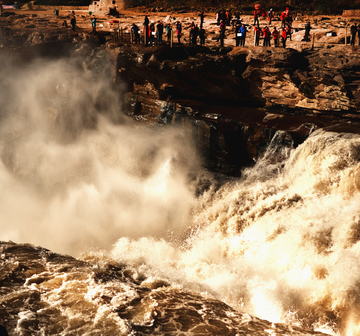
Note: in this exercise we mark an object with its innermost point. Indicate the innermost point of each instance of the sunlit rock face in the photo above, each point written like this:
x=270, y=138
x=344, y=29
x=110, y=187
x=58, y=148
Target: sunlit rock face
x=323, y=79
x=43, y=293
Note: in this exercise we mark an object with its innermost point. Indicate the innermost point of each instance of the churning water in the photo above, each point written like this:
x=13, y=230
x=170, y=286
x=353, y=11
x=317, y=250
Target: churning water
x=280, y=243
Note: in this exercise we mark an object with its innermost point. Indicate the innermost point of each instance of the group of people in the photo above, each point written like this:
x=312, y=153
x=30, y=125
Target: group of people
x=72, y=22
x=196, y=32
x=354, y=30
x=152, y=31
x=275, y=35
x=224, y=16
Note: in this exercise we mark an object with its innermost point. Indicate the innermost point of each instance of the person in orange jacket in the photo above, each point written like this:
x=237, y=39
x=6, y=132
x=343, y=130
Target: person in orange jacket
x=275, y=35
x=283, y=37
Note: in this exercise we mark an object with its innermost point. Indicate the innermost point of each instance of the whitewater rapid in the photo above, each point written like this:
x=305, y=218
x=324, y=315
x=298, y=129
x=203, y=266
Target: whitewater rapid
x=280, y=243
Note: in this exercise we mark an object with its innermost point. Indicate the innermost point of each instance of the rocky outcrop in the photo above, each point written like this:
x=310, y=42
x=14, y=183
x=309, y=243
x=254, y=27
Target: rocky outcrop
x=44, y=293
x=324, y=79
x=233, y=100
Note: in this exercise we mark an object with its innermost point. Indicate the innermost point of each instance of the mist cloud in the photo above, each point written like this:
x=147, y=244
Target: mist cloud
x=76, y=173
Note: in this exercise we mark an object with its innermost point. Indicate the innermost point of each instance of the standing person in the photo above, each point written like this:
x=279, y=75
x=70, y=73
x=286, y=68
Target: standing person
x=283, y=37
x=270, y=16
x=192, y=26
x=267, y=35
x=307, y=31
x=73, y=23
x=222, y=33
x=202, y=36
x=201, y=19
x=353, y=31
x=288, y=31
x=256, y=17
x=275, y=35
x=93, y=24
x=237, y=35
x=227, y=17
x=218, y=18
x=159, y=31
x=283, y=19
x=178, y=31
x=168, y=33
x=151, y=32
x=257, y=32
x=195, y=35
x=146, y=29
x=135, y=31
x=243, y=31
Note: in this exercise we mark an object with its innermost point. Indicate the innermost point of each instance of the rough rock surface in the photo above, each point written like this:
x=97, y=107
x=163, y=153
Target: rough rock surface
x=43, y=293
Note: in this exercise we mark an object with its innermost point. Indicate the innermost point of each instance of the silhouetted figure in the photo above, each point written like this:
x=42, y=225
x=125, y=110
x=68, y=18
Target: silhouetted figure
x=146, y=29
x=222, y=33
x=237, y=35
x=201, y=19
x=73, y=23
x=353, y=31
x=135, y=31
x=202, y=36
x=159, y=31
x=195, y=34
x=257, y=32
x=307, y=32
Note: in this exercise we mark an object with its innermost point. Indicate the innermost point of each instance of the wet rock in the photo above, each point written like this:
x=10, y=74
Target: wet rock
x=62, y=294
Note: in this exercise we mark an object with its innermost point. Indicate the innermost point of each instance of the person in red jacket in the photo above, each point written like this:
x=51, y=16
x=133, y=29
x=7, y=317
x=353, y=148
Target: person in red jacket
x=256, y=17
x=288, y=31
x=267, y=35
x=275, y=35
x=257, y=32
x=282, y=18
x=283, y=37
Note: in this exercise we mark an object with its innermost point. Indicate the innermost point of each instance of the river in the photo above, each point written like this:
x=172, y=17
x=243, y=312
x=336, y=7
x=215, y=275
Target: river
x=280, y=243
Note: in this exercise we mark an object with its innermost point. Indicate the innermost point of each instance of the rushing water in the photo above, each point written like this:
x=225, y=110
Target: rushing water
x=280, y=243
